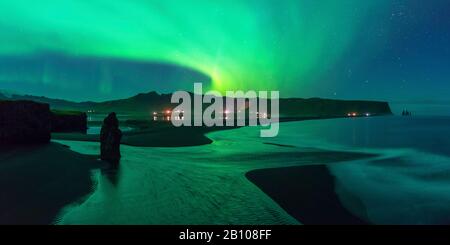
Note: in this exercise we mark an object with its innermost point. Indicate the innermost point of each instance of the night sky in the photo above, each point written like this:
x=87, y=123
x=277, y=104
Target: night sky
x=349, y=49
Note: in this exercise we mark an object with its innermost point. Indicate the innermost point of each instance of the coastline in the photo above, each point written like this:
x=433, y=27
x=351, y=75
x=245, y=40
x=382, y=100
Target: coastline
x=166, y=135
x=307, y=193
x=36, y=182
x=80, y=184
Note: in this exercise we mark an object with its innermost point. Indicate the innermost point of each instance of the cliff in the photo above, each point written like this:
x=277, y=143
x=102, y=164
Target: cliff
x=289, y=107
x=28, y=122
x=316, y=107
x=24, y=122
x=144, y=103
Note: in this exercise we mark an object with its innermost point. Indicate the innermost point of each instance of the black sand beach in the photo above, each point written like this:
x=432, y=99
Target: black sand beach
x=36, y=182
x=162, y=134
x=305, y=192
x=163, y=137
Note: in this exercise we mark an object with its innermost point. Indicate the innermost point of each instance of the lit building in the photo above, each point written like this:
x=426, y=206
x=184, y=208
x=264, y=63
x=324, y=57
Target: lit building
x=165, y=115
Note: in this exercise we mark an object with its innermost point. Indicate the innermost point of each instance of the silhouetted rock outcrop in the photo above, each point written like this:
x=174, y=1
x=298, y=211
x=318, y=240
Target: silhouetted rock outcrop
x=69, y=121
x=24, y=122
x=110, y=137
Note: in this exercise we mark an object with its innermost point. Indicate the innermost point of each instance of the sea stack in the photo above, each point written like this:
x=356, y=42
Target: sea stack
x=110, y=137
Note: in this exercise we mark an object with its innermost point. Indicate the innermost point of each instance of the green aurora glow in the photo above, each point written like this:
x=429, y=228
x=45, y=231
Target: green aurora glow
x=349, y=49
x=239, y=44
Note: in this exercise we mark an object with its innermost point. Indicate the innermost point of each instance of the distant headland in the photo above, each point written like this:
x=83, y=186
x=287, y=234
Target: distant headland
x=144, y=104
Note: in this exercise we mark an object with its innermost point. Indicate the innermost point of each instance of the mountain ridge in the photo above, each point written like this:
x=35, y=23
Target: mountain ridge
x=145, y=103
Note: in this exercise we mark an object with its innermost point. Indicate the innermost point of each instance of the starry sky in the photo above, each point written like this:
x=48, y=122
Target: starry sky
x=395, y=50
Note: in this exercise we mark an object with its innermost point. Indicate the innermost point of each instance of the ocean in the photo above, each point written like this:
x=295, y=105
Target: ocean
x=407, y=182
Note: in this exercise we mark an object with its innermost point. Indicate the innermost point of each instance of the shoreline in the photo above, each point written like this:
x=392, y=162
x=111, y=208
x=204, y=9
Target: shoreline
x=166, y=135
x=307, y=193
x=77, y=179
x=36, y=182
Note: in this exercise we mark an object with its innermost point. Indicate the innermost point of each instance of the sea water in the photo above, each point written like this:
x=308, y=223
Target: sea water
x=407, y=182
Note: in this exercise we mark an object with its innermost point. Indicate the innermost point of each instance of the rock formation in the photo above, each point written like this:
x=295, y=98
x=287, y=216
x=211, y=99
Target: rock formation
x=24, y=122
x=110, y=136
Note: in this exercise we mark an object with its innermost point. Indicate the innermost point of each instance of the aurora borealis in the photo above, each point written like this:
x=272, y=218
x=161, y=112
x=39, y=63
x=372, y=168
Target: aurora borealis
x=340, y=49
